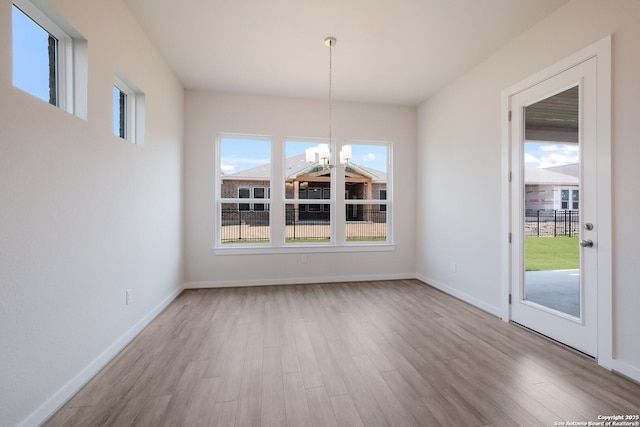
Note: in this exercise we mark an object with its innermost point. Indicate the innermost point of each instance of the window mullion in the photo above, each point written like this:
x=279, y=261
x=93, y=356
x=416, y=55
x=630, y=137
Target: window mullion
x=339, y=206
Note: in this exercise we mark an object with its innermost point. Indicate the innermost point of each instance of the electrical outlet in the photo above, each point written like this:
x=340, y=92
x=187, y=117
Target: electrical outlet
x=128, y=296
x=454, y=267
x=304, y=259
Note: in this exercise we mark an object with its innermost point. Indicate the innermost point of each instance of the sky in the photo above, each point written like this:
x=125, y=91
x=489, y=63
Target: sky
x=547, y=154
x=237, y=155
x=31, y=57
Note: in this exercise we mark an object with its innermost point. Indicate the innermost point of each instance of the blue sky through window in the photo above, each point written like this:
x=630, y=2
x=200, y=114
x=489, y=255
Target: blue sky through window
x=548, y=154
x=30, y=55
x=237, y=155
x=116, y=112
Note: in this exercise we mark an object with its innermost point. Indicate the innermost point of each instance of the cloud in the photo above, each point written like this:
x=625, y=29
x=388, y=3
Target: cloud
x=549, y=155
x=369, y=157
x=529, y=158
x=227, y=168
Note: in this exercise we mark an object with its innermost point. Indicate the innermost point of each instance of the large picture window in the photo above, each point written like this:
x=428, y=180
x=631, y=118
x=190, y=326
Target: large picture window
x=304, y=210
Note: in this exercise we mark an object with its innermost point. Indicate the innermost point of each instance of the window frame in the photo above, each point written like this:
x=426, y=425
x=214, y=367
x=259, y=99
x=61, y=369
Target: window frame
x=384, y=205
x=134, y=117
x=71, y=57
x=220, y=201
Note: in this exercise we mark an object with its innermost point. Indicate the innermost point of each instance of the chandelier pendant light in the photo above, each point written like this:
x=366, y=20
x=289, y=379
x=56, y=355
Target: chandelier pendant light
x=322, y=153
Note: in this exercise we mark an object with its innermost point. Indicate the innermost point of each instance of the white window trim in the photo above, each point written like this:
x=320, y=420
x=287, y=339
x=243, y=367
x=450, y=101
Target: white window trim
x=72, y=64
x=134, y=118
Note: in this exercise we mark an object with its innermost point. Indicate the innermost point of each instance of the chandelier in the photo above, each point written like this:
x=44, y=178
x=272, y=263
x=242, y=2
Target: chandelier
x=322, y=153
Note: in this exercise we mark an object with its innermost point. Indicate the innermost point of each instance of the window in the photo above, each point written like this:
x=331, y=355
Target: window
x=119, y=112
x=128, y=111
x=383, y=196
x=576, y=199
x=243, y=197
x=244, y=193
x=259, y=193
x=307, y=179
x=298, y=206
x=564, y=195
x=366, y=192
x=49, y=58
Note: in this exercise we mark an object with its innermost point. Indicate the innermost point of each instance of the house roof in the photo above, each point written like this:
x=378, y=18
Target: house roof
x=572, y=169
x=296, y=166
x=546, y=176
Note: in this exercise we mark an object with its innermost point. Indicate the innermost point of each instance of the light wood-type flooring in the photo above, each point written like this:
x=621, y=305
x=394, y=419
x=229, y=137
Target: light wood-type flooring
x=383, y=353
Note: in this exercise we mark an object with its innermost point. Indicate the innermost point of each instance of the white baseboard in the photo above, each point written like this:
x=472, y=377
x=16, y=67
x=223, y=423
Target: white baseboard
x=295, y=281
x=59, y=398
x=625, y=369
x=496, y=311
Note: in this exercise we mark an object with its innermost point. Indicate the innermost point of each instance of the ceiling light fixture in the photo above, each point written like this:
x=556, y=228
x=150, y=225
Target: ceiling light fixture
x=322, y=152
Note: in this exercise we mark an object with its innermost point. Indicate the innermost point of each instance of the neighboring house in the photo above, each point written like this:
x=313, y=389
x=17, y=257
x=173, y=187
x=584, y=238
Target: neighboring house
x=305, y=181
x=554, y=188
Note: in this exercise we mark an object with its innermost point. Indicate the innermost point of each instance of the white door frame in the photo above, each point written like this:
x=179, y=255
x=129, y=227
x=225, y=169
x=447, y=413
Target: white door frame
x=601, y=50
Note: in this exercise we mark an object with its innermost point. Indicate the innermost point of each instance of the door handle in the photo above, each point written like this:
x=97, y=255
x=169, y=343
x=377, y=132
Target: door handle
x=586, y=243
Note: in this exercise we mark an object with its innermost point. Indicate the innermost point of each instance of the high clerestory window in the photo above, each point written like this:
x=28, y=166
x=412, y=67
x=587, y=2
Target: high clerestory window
x=128, y=111
x=49, y=57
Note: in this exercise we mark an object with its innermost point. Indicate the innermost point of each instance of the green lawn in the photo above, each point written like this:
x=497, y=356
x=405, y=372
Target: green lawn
x=551, y=253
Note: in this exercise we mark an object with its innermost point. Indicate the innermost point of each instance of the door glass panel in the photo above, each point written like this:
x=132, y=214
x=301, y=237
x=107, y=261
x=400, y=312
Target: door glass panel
x=552, y=202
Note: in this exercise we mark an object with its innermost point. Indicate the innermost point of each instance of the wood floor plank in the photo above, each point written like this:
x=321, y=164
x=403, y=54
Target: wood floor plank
x=288, y=350
x=234, y=366
x=330, y=373
x=198, y=407
x=295, y=401
x=250, y=398
x=224, y=414
x=311, y=375
x=345, y=410
x=375, y=353
x=370, y=348
x=273, y=409
x=368, y=408
x=152, y=411
x=320, y=409
x=183, y=392
x=410, y=399
x=393, y=411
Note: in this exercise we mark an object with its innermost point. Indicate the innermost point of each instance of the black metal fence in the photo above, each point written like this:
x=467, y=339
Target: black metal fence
x=363, y=223
x=552, y=223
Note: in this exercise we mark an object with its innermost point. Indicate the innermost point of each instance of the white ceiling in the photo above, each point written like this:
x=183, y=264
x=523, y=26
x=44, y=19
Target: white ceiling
x=391, y=51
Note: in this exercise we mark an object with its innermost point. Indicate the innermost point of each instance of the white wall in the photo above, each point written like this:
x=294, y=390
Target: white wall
x=84, y=216
x=207, y=113
x=459, y=163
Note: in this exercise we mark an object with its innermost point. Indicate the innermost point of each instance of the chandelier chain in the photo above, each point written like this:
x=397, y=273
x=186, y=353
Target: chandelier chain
x=330, y=92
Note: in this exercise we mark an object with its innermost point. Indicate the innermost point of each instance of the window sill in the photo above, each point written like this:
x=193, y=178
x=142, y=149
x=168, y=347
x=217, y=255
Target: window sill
x=302, y=249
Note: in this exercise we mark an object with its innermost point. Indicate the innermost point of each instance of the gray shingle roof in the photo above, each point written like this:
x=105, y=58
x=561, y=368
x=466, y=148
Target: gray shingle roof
x=545, y=176
x=296, y=166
